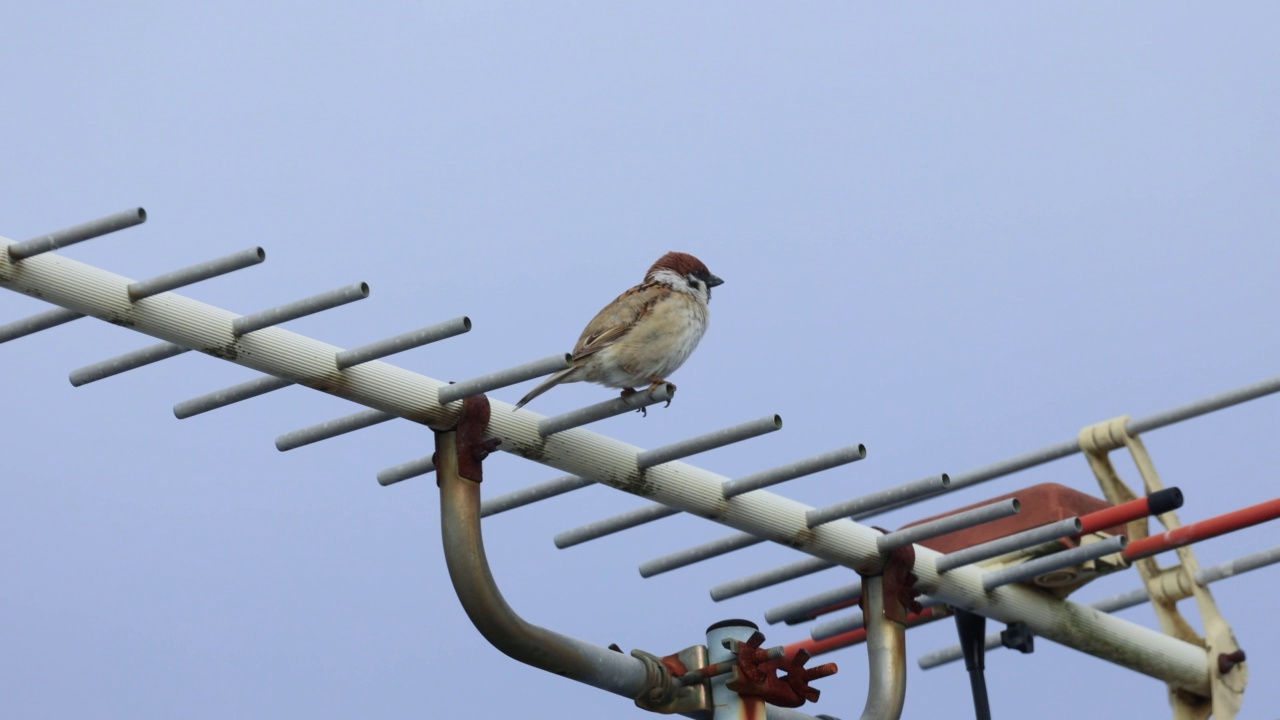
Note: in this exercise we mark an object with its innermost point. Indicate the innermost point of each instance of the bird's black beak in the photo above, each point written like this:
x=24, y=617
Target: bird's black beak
x=713, y=281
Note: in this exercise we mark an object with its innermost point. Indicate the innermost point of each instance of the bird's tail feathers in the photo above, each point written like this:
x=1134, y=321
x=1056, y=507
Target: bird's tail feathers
x=555, y=379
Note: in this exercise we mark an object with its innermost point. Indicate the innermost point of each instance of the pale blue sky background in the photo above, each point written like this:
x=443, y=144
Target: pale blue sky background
x=953, y=234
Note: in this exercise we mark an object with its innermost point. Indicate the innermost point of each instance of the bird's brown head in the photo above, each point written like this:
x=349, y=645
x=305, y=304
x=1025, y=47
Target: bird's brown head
x=693, y=270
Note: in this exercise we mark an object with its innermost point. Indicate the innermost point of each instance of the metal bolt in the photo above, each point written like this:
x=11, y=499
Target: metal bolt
x=1228, y=661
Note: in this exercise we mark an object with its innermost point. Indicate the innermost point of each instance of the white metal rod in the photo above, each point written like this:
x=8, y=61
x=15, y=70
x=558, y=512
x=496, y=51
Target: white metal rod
x=1049, y=563
x=36, y=323
x=227, y=396
x=698, y=553
x=657, y=511
x=1009, y=543
x=124, y=363
x=791, y=471
x=196, y=273
x=948, y=524
x=768, y=578
x=331, y=429
x=385, y=387
x=876, y=500
x=532, y=494
x=709, y=441
x=404, y=471
x=799, y=610
x=606, y=409
x=79, y=233
x=504, y=378
x=300, y=308
x=402, y=342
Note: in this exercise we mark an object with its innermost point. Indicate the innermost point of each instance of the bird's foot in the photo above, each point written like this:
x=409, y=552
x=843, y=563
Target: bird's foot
x=659, y=382
x=628, y=392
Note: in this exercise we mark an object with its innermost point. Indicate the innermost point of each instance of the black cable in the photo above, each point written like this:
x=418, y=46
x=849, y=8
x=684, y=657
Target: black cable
x=972, y=629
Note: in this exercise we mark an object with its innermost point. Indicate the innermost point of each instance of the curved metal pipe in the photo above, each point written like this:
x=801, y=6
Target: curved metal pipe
x=490, y=613
x=887, y=651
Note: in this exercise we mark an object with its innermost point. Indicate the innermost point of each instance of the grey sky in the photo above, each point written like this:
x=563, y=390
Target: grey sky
x=954, y=235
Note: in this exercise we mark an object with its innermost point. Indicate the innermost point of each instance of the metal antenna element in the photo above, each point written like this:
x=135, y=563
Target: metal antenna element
x=229, y=396
x=196, y=273
x=124, y=363
x=606, y=409
x=404, y=471
x=331, y=429
x=875, y=502
x=1050, y=563
x=948, y=524
x=79, y=233
x=1009, y=543
x=797, y=469
x=300, y=308
x=532, y=494
x=798, y=610
x=504, y=378
x=1137, y=596
x=404, y=341
x=800, y=468
x=769, y=578
x=36, y=323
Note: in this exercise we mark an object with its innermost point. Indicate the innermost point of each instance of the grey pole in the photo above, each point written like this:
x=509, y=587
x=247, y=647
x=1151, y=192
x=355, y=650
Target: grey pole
x=124, y=363
x=331, y=429
x=877, y=500
x=1009, y=543
x=800, y=468
x=1057, y=561
x=196, y=273
x=948, y=524
x=228, y=396
x=606, y=409
x=768, y=578
x=402, y=342
x=799, y=610
x=709, y=441
x=698, y=553
x=36, y=323
x=404, y=471
x=79, y=233
x=504, y=378
x=532, y=494
x=301, y=308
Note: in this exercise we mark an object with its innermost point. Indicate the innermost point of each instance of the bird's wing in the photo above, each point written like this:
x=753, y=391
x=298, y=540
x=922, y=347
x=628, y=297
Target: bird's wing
x=616, y=320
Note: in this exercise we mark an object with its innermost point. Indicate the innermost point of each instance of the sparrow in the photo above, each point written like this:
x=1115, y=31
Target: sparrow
x=646, y=333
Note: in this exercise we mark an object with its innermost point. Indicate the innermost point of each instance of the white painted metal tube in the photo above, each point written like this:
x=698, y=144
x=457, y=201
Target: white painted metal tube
x=404, y=341
x=331, y=429
x=615, y=524
x=385, y=387
x=606, y=409
x=227, y=396
x=798, y=610
x=876, y=500
x=698, y=553
x=124, y=363
x=404, y=471
x=532, y=494
x=300, y=308
x=196, y=273
x=950, y=523
x=794, y=470
x=36, y=323
x=1009, y=543
x=79, y=233
x=1057, y=561
x=709, y=441
x=504, y=378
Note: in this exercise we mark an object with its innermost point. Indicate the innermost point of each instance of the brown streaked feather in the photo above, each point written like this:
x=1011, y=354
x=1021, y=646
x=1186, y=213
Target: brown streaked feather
x=609, y=325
